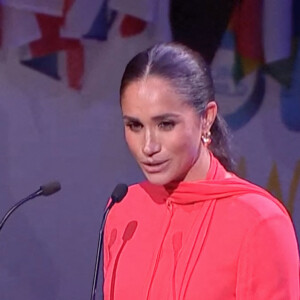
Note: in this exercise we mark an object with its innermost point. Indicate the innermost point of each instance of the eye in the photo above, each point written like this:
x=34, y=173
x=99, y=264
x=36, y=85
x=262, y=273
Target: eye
x=166, y=125
x=134, y=126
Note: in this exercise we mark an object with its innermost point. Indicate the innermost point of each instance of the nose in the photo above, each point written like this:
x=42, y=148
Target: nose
x=151, y=144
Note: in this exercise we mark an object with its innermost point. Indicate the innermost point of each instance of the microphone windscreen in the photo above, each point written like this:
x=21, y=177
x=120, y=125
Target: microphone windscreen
x=119, y=192
x=50, y=188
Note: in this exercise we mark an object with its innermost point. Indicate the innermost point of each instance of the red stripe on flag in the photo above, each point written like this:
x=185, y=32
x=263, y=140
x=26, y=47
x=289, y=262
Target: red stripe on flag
x=75, y=66
x=132, y=26
x=51, y=40
x=50, y=28
x=67, y=6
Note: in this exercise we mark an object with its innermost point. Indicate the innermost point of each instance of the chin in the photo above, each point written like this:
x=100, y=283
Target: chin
x=158, y=179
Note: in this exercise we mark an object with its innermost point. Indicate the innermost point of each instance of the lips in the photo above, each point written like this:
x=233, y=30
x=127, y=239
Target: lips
x=154, y=167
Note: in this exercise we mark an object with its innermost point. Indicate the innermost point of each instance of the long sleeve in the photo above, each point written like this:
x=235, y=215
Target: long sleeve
x=268, y=265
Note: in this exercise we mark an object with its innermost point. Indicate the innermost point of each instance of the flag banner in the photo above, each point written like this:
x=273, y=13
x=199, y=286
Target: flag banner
x=142, y=9
x=50, y=7
x=75, y=66
x=84, y=10
x=47, y=65
x=67, y=65
x=246, y=24
x=102, y=23
x=15, y=36
x=132, y=26
x=57, y=38
x=159, y=27
x=50, y=41
x=260, y=42
x=277, y=39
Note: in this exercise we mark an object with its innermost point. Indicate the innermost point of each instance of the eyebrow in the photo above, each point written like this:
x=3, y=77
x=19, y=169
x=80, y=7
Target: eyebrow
x=155, y=118
x=132, y=119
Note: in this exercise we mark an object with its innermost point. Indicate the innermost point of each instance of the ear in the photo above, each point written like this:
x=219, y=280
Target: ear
x=209, y=115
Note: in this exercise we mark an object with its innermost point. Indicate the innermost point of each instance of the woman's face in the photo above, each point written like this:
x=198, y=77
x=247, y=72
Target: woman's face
x=162, y=131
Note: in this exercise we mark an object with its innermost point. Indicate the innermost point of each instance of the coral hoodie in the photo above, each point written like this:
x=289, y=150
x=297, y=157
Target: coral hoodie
x=219, y=238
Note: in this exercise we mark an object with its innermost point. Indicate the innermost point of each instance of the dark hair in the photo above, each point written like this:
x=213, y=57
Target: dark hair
x=190, y=76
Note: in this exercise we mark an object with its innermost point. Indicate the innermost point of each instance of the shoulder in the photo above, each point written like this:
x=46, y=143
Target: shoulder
x=260, y=206
x=255, y=220
x=251, y=207
x=254, y=201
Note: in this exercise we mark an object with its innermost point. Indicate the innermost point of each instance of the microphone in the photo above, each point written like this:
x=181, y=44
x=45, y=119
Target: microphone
x=44, y=190
x=117, y=196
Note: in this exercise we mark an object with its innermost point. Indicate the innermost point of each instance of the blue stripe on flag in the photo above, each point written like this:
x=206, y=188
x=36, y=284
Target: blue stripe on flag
x=47, y=65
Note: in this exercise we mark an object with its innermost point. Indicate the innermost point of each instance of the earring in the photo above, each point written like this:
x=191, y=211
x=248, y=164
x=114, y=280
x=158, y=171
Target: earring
x=206, y=138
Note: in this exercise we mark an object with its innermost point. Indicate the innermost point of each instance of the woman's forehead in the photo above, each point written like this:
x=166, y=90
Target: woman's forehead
x=154, y=100
x=152, y=90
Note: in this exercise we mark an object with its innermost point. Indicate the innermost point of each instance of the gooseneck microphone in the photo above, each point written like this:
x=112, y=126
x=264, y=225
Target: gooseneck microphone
x=117, y=195
x=44, y=190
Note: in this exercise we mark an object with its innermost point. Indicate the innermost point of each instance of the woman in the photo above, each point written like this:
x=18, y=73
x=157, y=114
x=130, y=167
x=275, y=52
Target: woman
x=193, y=230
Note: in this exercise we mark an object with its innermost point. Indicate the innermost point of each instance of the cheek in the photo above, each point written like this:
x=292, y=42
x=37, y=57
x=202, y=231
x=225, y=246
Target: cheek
x=132, y=142
x=184, y=148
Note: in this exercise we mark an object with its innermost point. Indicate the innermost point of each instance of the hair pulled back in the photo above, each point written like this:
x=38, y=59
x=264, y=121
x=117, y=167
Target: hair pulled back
x=190, y=76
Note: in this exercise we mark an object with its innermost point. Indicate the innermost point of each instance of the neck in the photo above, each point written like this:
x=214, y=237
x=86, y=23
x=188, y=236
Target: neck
x=200, y=167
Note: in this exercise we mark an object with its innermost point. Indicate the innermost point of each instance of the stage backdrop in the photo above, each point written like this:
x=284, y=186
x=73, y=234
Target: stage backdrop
x=48, y=131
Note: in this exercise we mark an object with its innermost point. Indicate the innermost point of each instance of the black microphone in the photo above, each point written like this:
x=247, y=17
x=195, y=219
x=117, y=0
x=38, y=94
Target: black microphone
x=117, y=195
x=44, y=190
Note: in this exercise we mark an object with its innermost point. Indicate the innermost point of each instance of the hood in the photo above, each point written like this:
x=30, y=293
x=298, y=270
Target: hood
x=219, y=184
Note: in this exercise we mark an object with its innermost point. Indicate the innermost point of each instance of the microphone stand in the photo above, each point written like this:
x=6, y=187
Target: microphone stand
x=33, y=195
x=45, y=190
x=117, y=195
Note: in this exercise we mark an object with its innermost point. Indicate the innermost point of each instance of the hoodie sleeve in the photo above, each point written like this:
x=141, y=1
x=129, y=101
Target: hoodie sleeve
x=268, y=266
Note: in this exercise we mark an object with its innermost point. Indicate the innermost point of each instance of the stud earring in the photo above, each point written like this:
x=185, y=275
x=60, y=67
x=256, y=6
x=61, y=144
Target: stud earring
x=206, y=138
